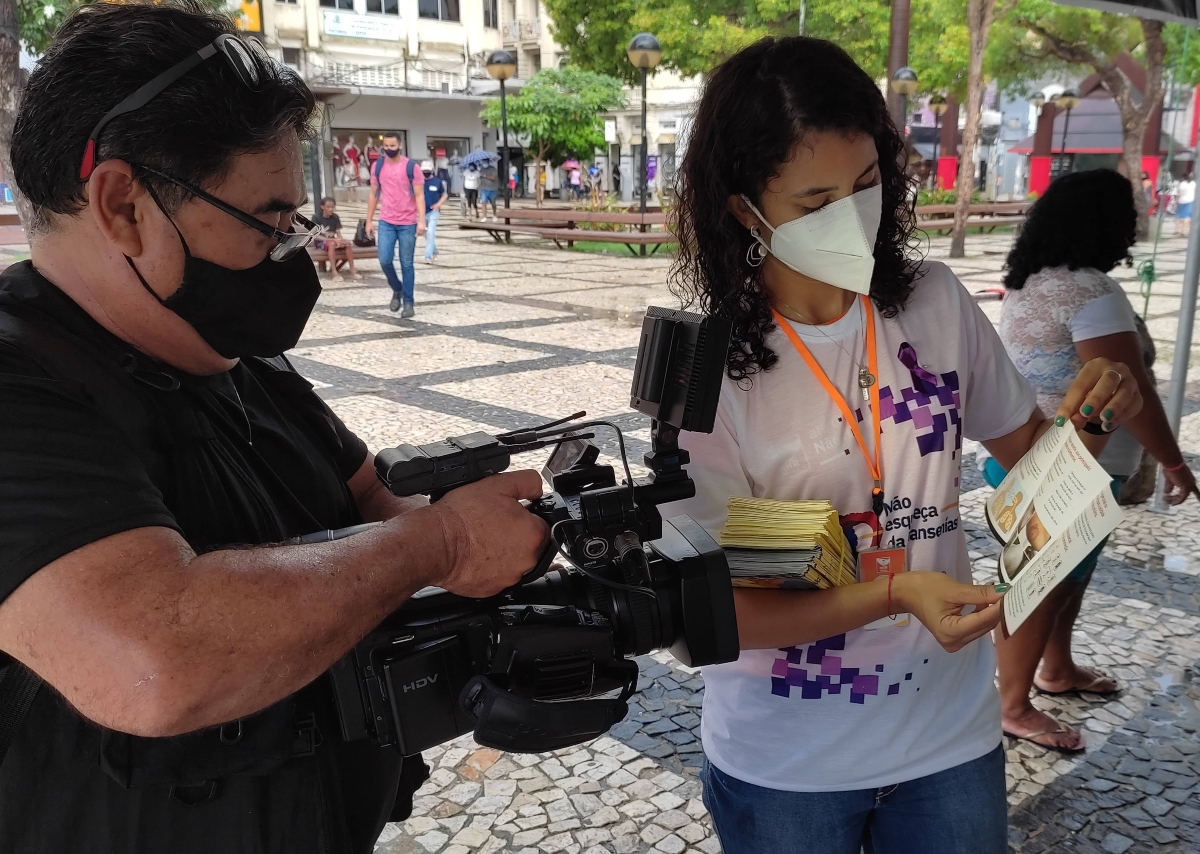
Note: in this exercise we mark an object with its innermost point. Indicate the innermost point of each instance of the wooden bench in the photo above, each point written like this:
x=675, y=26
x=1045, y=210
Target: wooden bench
x=983, y=215
x=632, y=228
x=321, y=256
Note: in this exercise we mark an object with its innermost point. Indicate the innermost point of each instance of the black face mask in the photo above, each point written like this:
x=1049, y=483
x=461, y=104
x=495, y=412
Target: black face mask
x=392, y=152
x=261, y=311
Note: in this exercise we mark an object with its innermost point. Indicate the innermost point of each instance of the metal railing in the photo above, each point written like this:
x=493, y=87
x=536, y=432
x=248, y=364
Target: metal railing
x=522, y=29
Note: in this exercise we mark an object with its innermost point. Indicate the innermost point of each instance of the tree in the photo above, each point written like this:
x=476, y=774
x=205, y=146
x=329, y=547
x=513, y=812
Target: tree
x=697, y=35
x=980, y=16
x=1044, y=37
x=36, y=22
x=558, y=111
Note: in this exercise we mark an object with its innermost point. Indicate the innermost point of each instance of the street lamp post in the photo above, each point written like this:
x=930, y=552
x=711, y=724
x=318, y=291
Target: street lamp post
x=502, y=65
x=904, y=84
x=1068, y=101
x=937, y=106
x=644, y=52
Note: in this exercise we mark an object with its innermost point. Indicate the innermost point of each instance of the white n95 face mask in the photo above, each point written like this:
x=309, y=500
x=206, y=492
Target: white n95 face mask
x=835, y=244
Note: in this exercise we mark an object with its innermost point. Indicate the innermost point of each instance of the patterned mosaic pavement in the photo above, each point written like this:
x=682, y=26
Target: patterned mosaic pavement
x=509, y=335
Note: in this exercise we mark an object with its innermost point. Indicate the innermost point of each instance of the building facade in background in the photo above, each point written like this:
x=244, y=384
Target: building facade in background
x=411, y=66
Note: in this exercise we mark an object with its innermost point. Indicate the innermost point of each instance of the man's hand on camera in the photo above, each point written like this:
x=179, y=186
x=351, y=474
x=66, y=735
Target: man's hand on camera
x=491, y=538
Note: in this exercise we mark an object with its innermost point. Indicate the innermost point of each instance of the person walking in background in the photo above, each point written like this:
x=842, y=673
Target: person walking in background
x=616, y=179
x=471, y=191
x=838, y=728
x=1149, y=194
x=489, y=187
x=512, y=178
x=1185, y=197
x=331, y=239
x=541, y=185
x=435, y=197
x=576, y=178
x=1060, y=310
x=397, y=189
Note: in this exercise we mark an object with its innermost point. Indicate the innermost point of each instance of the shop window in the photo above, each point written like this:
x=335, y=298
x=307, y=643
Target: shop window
x=439, y=10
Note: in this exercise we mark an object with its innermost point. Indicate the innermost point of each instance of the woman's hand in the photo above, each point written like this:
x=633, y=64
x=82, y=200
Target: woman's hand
x=1181, y=483
x=1105, y=393
x=938, y=602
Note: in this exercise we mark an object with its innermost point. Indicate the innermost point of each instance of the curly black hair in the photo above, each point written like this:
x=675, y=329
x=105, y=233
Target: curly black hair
x=1084, y=219
x=755, y=109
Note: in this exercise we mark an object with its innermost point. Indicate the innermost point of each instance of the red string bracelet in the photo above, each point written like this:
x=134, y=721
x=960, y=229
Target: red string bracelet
x=1179, y=467
x=891, y=615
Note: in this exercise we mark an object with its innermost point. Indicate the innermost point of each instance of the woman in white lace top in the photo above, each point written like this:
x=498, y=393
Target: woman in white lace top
x=1062, y=309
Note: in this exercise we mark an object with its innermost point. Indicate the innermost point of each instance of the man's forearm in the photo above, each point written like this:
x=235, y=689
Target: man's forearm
x=178, y=642
x=372, y=201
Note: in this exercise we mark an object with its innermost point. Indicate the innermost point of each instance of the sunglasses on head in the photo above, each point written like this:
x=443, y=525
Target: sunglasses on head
x=246, y=57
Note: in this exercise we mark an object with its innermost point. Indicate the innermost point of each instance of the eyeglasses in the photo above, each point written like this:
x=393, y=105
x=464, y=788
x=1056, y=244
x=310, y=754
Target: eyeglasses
x=288, y=243
x=246, y=57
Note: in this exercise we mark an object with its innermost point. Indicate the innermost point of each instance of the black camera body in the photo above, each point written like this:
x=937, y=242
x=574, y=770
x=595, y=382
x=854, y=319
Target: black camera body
x=546, y=664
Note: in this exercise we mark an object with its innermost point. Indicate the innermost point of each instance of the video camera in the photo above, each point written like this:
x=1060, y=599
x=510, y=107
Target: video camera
x=545, y=664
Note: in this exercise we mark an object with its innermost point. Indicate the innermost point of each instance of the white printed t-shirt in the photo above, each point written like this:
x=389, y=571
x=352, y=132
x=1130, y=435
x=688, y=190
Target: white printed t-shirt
x=867, y=708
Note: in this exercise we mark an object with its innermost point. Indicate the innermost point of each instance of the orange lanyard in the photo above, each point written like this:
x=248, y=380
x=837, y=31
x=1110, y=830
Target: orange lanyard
x=874, y=462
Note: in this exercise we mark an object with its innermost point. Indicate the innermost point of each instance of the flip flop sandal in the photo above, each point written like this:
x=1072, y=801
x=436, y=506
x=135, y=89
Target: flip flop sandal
x=1030, y=736
x=1079, y=690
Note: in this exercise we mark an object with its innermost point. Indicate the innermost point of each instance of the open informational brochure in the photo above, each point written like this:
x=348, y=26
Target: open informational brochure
x=1052, y=509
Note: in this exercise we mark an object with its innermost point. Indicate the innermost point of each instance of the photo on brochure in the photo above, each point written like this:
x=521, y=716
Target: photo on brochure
x=1049, y=513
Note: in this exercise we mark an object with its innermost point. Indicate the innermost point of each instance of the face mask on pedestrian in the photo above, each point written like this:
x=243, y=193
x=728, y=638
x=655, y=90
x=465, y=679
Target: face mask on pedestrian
x=835, y=244
x=261, y=311
x=391, y=152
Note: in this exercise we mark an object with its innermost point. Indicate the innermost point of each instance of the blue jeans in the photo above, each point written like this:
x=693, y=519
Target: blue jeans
x=389, y=237
x=431, y=221
x=962, y=810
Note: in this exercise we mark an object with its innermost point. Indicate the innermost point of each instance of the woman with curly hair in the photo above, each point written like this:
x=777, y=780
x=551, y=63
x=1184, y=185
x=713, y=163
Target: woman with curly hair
x=1061, y=309
x=854, y=371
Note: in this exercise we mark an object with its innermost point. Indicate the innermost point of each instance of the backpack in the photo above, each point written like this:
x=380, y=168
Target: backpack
x=377, y=171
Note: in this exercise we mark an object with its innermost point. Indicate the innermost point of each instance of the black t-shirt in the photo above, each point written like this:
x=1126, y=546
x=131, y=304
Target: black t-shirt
x=96, y=439
x=331, y=224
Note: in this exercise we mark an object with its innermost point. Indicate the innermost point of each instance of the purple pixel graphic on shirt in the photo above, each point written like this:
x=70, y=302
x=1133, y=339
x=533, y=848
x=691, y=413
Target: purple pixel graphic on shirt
x=931, y=406
x=819, y=669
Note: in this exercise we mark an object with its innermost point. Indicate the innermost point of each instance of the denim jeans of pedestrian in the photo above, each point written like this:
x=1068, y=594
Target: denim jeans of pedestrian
x=962, y=810
x=431, y=222
x=404, y=237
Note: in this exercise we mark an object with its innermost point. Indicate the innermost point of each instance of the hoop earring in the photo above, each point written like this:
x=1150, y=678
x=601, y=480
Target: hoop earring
x=756, y=253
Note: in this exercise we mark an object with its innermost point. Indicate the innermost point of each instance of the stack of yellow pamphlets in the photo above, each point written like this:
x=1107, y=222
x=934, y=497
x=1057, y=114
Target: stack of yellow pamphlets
x=786, y=544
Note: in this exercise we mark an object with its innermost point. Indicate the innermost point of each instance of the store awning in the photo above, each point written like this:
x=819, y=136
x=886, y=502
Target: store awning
x=1094, y=128
x=1170, y=11
x=666, y=139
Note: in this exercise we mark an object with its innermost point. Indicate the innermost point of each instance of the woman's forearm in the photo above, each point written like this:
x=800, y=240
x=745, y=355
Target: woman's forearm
x=1150, y=426
x=771, y=619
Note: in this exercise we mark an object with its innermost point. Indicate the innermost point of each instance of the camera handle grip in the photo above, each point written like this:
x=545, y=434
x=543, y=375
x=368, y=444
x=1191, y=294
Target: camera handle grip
x=507, y=721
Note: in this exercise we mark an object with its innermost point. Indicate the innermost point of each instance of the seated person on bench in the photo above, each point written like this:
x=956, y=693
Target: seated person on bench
x=331, y=239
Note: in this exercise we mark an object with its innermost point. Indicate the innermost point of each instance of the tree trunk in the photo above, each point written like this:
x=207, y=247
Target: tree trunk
x=10, y=98
x=979, y=20
x=1135, y=114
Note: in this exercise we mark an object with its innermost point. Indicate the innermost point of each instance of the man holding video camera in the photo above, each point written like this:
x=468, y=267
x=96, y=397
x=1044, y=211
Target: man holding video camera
x=154, y=445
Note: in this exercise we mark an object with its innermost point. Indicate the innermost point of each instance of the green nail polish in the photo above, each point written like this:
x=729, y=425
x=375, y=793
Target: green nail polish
x=1087, y=409
x=1059, y=421
x=1108, y=415
x=1003, y=588
x=1108, y=426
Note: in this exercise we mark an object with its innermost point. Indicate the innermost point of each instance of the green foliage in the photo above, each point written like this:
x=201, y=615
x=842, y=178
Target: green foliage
x=697, y=35
x=1185, y=65
x=39, y=19
x=943, y=197
x=558, y=111
x=36, y=26
x=1019, y=50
